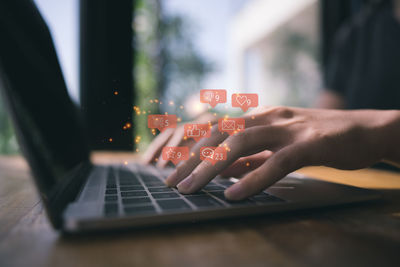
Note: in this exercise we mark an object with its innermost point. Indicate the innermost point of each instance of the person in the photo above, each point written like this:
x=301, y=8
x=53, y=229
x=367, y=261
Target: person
x=362, y=77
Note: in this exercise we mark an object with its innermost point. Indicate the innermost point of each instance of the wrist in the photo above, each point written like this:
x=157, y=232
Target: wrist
x=390, y=136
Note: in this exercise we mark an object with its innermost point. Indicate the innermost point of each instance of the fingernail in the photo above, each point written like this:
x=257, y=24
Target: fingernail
x=184, y=186
x=171, y=179
x=235, y=192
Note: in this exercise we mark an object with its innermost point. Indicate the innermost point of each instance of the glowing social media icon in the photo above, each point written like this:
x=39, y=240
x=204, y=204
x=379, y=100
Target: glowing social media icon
x=231, y=125
x=197, y=131
x=244, y=101
x=161, y=122
x=213, y=154
x=213, y=97
x=175, y=153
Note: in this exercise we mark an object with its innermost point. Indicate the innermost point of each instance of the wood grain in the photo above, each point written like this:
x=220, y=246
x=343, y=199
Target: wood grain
x=361, y=235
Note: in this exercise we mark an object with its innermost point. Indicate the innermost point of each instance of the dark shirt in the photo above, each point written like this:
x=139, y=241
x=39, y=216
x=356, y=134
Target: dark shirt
x=365, y=65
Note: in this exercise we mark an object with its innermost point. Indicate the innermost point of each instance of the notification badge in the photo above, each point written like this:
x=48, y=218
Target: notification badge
x=213, y=154
x=231, y=125
x=175, y=153
x=213, y=97
x=161, y=122
x=244, y=101
x=197, y=131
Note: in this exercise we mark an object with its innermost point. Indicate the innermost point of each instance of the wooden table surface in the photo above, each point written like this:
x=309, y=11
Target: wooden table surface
x=359, y=235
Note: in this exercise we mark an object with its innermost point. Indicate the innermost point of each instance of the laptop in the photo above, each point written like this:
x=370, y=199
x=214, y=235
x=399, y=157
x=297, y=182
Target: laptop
x=79, y=196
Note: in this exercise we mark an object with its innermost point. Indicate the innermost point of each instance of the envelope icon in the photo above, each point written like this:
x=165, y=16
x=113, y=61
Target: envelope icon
x=228, y=125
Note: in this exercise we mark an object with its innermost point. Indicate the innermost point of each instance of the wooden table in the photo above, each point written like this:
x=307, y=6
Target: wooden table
x=361, y=235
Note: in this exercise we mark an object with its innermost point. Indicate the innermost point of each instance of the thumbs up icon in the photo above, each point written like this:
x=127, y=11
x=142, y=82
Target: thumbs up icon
x=193, y=131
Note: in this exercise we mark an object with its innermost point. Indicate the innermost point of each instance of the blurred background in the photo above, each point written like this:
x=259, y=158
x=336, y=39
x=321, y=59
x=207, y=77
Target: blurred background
x=266, y=47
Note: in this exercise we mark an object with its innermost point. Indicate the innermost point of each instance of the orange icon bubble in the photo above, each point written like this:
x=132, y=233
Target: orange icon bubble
x=213, y=154
x=244, y=101
x=175, y=153
x=197, y=131
x=161, y=122
x=231, y=125
x=213, y=97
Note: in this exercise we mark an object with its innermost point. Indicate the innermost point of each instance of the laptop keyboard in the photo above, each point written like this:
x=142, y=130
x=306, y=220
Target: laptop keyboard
x=144, y=193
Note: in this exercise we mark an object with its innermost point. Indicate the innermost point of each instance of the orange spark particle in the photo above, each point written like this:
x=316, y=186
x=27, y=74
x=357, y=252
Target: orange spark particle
x=115, y=92
x=247, y=164
x=192, y=154
x=156, y=100
x=151, y=101
x=110, y=139
x=125, y=163
x=181, y=107
x=137, y=150
x=171, y=103
x=179, y=119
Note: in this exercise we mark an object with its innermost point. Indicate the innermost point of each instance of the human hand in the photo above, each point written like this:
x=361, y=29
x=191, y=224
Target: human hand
x=171, y=137
x=281, y=140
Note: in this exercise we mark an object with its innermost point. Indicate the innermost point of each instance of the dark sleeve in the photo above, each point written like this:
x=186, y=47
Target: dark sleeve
x=339, y=65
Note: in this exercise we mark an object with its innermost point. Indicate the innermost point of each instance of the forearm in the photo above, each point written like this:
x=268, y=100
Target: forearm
x=390, y=137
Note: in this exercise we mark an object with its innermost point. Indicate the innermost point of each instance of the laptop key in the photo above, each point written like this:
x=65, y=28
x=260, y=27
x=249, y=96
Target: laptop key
x=111, y=191
x=165, y=195
x=204, y=201
x=134, y=194
x=131, y=188
x=214, y=188
x=160, y=189
x=136, y=201
x=154, y=183
x=111, y=198
x=266, y=198
x=111, y=209
x=221, y=196
x=173, y=204
x=139, y=210
x=196, y=193
x=225, y=182
x=128, y=183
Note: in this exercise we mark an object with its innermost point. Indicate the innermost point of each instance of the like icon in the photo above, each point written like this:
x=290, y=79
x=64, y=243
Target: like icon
x=213, y=97
x=244, y=101
x=231, y=125
x=197, y=131
x=161, y=122
x=175, y=153
x=213, y=154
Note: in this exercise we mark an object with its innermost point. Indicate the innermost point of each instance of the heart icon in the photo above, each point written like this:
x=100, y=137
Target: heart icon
x=241, y=100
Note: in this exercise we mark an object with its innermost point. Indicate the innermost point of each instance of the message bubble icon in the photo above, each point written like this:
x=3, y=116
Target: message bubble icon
x=161, y=122
x=175, y=154
x=197, y=131
x=212, y=96
x=213, y=154
x=244, y=101
x=231, y=125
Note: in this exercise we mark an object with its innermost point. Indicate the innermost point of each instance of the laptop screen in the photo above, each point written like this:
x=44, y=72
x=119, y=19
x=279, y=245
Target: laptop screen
x=46, y=121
